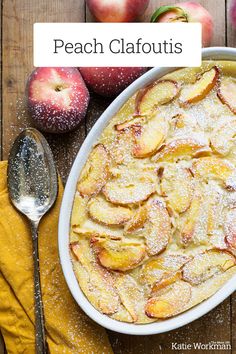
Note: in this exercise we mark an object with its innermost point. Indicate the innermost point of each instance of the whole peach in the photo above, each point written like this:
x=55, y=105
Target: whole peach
x=57, y=99
x=232, y=13
x=189, y=11
x=110, y=81
x=117, y=10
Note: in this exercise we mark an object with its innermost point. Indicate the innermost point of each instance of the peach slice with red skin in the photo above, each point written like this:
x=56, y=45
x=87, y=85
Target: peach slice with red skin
x=214, y=211
x=156, y=269
x=203, y=218
x=94, y=234
x=205, y=265
x=136, y=121
x=157, y=228
x=137, y=221
x=122, y=147
x=148, y=134
x=188, y=230
x=201, y=88
x=222, y=137
x=214, y=167
x=119, y=255
x=149, y=137
x=182, y=148
x=164, y=282
x=227, y=92
x=158, y=93
x=169, y=301
x=106, y=213
x=230, y=228
x=79, y=212
x=129, y=189
x=130, y=294
x=177, y=186
x=95, y=172
x=99, y=287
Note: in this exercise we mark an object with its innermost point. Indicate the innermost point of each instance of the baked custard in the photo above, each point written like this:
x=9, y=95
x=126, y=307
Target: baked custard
x=153, y=225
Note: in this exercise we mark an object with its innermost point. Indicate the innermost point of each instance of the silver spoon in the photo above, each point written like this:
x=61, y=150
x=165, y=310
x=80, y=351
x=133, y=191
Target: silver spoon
x=33, y=187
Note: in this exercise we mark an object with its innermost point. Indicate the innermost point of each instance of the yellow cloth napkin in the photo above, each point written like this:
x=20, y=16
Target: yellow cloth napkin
x=68, y=329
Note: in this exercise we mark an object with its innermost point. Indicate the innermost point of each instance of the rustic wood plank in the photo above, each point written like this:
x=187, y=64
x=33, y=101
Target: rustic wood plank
x=204, y=330
x=217, y=10
x=233, y=322
x=231, y=32
x=18, y=19
x=213, y=327
x=1, y=345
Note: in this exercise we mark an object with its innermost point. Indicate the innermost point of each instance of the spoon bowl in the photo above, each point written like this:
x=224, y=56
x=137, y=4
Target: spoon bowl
x=32, y=176
x=33, y=187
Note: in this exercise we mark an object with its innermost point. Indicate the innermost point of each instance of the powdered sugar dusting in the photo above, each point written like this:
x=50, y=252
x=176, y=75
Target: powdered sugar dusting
x=185, y=185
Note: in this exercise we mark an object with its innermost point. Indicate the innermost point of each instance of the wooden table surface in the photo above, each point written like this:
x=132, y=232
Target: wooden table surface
x=17, y=19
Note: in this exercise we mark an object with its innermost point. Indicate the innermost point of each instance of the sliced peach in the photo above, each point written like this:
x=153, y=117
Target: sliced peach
x=218, y=240
x=118, y=255
x=158, y=228
x=192, y=219
x=149, y=137
x=230, y=228
x=96, y=282
x=95, y=172
x=122, y=147
x=106, y=213
x=79, y=211
x=184, y=123
x=152, y=271
x=137, y=221
x=210, y=220
x=156, y=269
x=136, y=121
x=164, y=282
x=129, y=189
x=94, y=234
x=177, y=186
x=200, y=224
x=169, y=302
x=181, y=149
x=205, y=265
x=122, y=315
x=214, y=210
x=227, y=92
x=130, y=294
x=156, y=94
x=179, y=121
x=201, y=88
x=222, y=137
x=216, y=168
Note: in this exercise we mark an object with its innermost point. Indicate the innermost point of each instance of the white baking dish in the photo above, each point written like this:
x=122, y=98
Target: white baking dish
x=66, y=207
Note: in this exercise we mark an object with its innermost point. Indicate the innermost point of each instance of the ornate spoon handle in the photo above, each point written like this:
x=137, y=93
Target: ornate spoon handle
x=40, y=338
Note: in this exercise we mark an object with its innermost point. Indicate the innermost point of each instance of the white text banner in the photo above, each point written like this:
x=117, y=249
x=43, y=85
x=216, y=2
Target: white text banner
x=117, y=44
